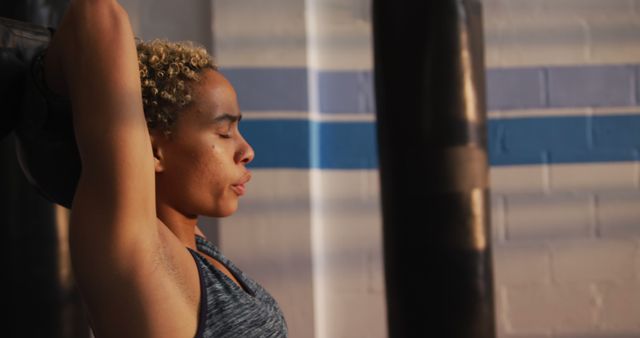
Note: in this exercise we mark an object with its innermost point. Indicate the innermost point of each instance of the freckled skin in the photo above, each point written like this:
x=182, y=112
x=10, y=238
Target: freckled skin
x=197, y=165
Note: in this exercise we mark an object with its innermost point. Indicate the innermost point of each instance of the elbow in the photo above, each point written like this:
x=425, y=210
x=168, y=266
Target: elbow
x=103, y=16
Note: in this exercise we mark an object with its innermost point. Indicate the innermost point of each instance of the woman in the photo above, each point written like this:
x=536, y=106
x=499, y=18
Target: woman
x=157, y=132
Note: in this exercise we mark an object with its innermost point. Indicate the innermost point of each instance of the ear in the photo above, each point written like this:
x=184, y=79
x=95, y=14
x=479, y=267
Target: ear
x=157, y=146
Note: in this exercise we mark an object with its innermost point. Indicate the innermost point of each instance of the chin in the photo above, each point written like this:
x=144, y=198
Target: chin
x=224, y=210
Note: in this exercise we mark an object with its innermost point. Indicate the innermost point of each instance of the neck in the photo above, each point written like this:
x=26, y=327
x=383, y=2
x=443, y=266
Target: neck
x=182, y=226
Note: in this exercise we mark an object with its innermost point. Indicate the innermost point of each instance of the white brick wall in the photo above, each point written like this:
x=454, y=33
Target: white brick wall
x=609, y=39
x=638, y=262
x=173, y=20
x=498, y=218
x=327, y=34
x=523, y=41
x=619, y=214
x=566, y=236
x=536, y=309
x=542, y=217
x=591, y=177
x=250, y=33
x=520, y=179
x=568, y=288
x=620, y=306
x=593, y=260
x=545, y=32
x=348, y=251
x=523, y=264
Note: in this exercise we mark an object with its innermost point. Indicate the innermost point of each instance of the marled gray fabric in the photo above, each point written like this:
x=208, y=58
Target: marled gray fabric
x=226, y=310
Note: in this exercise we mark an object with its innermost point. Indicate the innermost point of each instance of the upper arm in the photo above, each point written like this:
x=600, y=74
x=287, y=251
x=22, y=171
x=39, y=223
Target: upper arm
x=115, y=197
x=130, y=274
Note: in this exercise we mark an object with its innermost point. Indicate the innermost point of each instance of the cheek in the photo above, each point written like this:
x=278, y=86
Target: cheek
x=202, y=166
x=209, y=166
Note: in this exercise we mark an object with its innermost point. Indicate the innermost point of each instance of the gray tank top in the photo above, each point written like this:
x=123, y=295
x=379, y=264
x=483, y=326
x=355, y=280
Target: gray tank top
x=226, y=309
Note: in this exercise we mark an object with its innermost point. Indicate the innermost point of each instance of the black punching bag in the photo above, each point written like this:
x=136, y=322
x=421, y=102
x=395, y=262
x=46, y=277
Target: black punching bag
x=431, y=121
x=42, y=121
x=42, y=301
x=33, y=294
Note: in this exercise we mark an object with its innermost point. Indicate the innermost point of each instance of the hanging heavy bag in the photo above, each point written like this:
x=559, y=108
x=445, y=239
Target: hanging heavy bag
x=42, y=120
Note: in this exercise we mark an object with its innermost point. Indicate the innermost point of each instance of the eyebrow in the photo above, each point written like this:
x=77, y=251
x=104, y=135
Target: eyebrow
x=226, y=117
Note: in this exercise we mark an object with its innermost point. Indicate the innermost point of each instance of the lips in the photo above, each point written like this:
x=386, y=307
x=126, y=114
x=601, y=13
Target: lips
x=239, y=187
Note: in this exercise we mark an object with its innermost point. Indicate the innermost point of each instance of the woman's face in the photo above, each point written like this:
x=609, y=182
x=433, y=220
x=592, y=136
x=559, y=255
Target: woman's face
x=200, y=169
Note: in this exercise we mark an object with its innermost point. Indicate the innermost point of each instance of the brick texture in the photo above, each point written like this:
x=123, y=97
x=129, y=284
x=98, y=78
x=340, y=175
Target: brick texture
x=637, y=84
x=518, y=40
x=638, y=261
x=522, y=88
x=608, y=38
x=619, y=214
x=241, y=37
x=566, y=235
x=537, y=309
x=591, y=86
x=590, y=177
x=619, y=132
x=589, y=8
x=520, y=179
x=542, y=217
x=331, y=85
x=567, y=225
x=593, y=260
x=498, y=230
x=555, y=32
x=620, y=307
x=522, y=264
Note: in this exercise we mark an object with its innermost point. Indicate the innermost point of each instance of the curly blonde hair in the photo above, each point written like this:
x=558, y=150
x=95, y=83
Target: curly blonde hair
x=167, y=72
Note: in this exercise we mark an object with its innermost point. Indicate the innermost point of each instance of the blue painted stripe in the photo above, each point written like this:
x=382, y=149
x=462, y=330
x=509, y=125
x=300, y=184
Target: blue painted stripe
x=346, y=92
x=523, y=135
x=594, y=156
x=615, y=132
x=288, y=144
x=270, y=89
x=531, y=141
x=286, y=89
x=346, y=145
x=592, y=86
x=516, y=88
x=279, y=143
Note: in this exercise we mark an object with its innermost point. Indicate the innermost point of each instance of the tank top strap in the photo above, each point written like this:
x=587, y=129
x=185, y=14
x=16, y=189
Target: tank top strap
x=202, y=308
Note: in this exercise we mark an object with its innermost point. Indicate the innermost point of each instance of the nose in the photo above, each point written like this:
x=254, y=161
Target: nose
x=245, y=152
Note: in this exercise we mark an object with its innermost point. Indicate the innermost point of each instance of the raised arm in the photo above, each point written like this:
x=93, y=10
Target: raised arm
x=113, y=231
x=95, y=51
